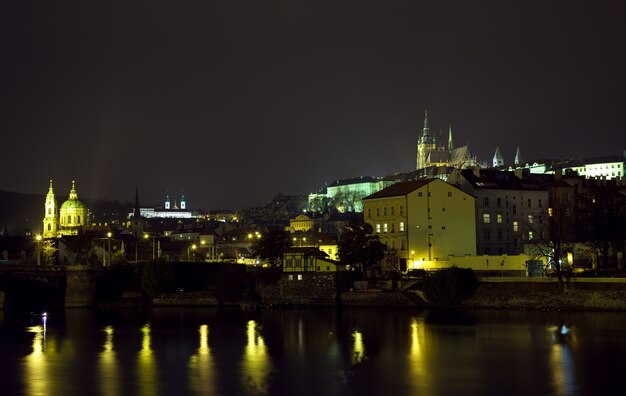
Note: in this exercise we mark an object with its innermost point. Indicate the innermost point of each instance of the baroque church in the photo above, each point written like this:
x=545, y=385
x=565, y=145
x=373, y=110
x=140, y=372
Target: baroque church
x=69, y=219
x=431, y=154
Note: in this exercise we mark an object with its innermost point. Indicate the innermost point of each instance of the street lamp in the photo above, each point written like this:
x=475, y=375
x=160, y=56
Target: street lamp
x=146, y=236
x=193, y=247
x=38, y=238
x=412, y=262
x=109, y=247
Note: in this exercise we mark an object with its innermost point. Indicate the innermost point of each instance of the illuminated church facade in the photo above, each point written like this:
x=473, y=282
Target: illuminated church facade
x=68, y=219
x=430, y=153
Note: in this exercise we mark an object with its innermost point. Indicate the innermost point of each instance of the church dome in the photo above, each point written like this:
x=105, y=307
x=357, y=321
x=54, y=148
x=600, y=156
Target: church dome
x=73, y=204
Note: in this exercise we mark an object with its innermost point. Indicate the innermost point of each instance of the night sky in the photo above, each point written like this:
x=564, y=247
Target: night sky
x=234, y=101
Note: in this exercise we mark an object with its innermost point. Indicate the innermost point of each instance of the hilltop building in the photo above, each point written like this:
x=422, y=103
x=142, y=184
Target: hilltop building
x=167, y=211
x=430, y=154
x=69, y=219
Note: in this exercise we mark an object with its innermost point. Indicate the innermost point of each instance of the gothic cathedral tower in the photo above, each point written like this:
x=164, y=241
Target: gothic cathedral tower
x=50, y=220
x=425, y=144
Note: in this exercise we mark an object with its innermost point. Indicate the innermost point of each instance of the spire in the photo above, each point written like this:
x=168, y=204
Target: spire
x=498, y=160
x=450, y=144
x=73, y=194
x=518, y=157
x=137, y=211
x=426, y=137
x=167, y=199
x=182, y=201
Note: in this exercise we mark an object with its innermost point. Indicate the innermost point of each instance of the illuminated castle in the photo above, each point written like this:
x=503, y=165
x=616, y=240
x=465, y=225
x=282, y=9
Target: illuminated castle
x=69, y=219
x=430, y=154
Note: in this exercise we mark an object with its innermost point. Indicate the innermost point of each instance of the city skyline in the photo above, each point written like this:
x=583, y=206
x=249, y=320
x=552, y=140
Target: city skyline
x=231, y=104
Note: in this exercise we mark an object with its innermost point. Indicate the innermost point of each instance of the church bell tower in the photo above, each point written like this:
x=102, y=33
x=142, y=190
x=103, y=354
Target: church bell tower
x=51, y=219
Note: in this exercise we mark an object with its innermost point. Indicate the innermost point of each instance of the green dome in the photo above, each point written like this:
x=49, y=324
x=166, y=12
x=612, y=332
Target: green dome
x=73, y=204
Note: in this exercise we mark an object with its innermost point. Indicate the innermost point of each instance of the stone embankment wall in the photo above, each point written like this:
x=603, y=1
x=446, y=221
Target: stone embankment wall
x=312, y=289
x=579, y=295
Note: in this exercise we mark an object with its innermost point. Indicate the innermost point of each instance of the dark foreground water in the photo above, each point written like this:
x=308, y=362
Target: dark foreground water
x=311, y=352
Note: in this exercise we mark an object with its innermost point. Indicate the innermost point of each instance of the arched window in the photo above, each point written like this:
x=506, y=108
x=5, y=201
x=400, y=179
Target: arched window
x=49, y=210
x=78, y=219
x=49, y=227
x=69, y=219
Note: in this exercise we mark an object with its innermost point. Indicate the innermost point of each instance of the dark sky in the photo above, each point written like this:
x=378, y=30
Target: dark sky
x=234, y=101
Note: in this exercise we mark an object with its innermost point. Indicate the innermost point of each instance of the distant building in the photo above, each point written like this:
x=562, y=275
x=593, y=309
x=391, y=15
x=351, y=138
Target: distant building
x=69, y=219
x=345, y=195
x=423, y=221
x=511, y=209
x=309, y=259
x=167, y=211
x=429, y=153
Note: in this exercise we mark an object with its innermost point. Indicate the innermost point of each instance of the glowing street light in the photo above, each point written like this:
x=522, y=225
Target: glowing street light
x=109, y=235
x=38, y=238
x=193, y=247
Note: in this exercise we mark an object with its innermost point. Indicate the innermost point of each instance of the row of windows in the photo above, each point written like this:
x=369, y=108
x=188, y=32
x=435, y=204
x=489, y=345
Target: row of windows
x=499, y=219
x=391, y=211
x=298, y=262
x=69, y=220
x=386, y=227
x=486, y=201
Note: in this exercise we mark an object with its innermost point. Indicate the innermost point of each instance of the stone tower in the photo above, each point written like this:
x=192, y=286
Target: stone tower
x=518, y=157
x=425, y=144
x=51, y=219
x=498, y=160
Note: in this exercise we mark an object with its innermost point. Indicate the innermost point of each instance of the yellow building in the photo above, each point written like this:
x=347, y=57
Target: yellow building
x=71, y=218
x=423, y=221
x=301, y=223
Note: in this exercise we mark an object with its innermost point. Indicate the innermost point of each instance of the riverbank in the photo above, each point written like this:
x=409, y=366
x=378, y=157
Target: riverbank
x=513, y=293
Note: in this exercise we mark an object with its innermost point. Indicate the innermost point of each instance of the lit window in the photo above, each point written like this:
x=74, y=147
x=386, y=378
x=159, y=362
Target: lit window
x=515, y=226
x=378, y=228
x=402, y=226
x=486, y=218
x=499, y=219
x=299, y=276
x=530, y=235
x=530, y=219
x=385, y=227
x=550, y=212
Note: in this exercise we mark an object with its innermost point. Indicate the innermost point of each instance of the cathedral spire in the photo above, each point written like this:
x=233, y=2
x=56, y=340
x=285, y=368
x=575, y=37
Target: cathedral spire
x=426, y=129
x=518, y=157
x=137, y=211
x=498, y=160
x=450, y=144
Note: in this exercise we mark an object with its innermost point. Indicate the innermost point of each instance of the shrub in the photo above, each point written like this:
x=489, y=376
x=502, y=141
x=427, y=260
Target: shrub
x=450, y=286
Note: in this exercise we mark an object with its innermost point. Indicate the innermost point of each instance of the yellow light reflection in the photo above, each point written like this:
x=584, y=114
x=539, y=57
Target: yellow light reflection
x=256, y=363
x=417, y=359
x=201, y=368
x=562, y=369
x=358, y=348
x=108, y=365
x=36, y=373
x=145, y=364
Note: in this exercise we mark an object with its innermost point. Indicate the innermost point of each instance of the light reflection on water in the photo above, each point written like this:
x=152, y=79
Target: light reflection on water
x=308, y=352
x=146, y=369
x=256, y=364
x=201, y=370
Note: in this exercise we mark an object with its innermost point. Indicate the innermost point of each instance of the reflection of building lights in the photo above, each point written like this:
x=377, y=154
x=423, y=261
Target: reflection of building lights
x=36, y=375
x=145, y=363
x=256, y=364
x=562, y=370
x=358, y=348
x=201, y=371
x=108, y=364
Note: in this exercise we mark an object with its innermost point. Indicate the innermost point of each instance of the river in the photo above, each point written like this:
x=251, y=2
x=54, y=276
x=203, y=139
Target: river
x=208, y=351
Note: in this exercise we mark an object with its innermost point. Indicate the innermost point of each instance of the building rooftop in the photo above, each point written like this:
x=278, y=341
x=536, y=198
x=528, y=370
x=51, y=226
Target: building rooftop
x=399, y=189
